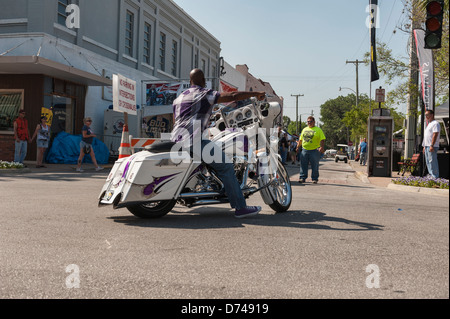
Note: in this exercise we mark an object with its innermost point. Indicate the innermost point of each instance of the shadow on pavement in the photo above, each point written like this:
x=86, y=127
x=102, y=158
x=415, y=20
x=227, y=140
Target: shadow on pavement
x=207, y=218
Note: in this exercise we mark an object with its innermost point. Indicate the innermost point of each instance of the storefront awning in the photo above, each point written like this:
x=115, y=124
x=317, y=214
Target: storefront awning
x=39, y=65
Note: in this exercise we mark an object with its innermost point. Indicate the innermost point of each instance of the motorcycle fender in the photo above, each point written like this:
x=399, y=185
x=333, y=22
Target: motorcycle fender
x=145, y=177
x=265, y=192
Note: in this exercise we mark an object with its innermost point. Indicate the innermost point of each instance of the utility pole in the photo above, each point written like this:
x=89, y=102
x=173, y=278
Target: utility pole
x=413, y=96
x=296, y=116
x=357, y=62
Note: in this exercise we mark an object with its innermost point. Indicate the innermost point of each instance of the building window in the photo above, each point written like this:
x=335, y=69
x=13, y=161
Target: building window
x=162, y=52
x=174, y=57
x=11, y=102
x=204, y=66
x=147, y=42
x=129, y=33
x=62, y=15
x=196, y=59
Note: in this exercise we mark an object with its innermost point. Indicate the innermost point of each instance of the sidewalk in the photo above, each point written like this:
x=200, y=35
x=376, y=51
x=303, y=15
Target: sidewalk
x=53, y=168
x=361, y=173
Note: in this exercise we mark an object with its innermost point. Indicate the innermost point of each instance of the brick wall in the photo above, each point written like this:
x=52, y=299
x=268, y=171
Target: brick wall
x=7, y=147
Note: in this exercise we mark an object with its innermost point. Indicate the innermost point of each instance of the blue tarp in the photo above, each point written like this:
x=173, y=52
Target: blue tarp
x=66, y=150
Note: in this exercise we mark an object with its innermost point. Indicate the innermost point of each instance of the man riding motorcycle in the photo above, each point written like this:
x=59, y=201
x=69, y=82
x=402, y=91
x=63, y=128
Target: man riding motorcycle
x=192, y=111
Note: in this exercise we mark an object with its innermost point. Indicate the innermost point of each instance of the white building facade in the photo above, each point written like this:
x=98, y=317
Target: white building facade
x=48, y=68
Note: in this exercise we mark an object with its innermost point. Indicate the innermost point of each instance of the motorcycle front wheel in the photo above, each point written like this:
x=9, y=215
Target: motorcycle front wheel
x=152, y=210
x=281, y=190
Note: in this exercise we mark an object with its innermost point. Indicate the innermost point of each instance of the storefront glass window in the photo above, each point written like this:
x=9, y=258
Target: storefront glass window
x=10, y=104
x=60, y=112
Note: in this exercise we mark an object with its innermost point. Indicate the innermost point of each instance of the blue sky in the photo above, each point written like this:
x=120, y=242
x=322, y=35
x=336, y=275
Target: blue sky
x=299, y=46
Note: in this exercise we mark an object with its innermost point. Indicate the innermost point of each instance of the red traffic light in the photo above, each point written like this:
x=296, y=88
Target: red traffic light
x=434, y=8
x=433, y=24
x=433, y=32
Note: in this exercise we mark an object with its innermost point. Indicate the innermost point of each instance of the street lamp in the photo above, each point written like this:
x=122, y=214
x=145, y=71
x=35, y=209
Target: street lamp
x=357, y=100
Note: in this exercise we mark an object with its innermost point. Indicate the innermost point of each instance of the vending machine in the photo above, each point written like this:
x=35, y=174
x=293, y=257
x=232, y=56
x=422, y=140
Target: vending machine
x=380, y=148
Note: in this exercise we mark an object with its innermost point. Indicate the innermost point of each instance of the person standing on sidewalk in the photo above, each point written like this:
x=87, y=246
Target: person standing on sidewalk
x=42, y=133
x=21, y=137
x=363, y=152
x=312, y=140
x=431, y=137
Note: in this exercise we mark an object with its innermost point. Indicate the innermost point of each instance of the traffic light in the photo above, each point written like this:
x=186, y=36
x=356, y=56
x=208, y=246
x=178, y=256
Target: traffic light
x=433, y=33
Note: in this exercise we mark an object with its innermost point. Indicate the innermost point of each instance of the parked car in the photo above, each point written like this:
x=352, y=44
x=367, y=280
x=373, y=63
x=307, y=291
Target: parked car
x=342, y=153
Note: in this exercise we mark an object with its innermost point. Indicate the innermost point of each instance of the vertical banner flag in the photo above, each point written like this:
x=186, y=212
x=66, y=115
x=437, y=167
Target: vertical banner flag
x=124, y=94
x=426, y=68
x=373, y=8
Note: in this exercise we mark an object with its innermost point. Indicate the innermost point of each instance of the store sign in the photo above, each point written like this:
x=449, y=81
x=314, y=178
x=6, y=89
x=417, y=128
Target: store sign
x=124, y=95
x=164, y=93
x=48, y=113
x=380, y=95
x=154, y=126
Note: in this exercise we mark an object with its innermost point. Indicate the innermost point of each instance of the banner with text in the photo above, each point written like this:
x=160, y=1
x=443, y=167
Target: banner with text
x=124, y=94
x=426, y=67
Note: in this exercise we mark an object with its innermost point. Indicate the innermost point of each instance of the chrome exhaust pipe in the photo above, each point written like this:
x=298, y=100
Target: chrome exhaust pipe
x=205, y=202
x=199, y=195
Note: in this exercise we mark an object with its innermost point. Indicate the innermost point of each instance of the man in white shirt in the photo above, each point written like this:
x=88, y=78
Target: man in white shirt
x=431, y=137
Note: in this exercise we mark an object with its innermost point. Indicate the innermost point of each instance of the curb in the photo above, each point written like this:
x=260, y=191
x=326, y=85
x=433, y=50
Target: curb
x=422, y=190
x=363, y=177
x=15, y=171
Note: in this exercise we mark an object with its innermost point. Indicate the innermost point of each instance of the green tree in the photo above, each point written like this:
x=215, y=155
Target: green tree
x=332, y=113
x=356, y=119
x=292, y=129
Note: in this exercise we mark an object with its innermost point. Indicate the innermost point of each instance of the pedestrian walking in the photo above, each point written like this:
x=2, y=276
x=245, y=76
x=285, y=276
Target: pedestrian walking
x=21, y=136
x=312, y=140
x=86, y=145
x=431, y=137
x=42, y=133
x=363, y=152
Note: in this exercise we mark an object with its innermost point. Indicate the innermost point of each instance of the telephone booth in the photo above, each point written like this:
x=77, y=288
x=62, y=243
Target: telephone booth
x=380, y=146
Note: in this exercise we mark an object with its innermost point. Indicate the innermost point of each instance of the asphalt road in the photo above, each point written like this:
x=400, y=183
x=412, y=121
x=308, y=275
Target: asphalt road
x=341, y=239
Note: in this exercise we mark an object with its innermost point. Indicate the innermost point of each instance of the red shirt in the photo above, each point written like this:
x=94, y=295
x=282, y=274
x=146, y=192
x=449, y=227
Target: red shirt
x=22, y=129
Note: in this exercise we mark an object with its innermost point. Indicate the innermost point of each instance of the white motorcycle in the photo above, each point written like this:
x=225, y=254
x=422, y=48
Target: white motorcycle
x=151, y=182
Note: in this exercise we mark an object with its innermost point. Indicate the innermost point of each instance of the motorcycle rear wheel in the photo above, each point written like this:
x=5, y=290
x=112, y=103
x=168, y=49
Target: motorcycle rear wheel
x=152, y=210
x=282, y=191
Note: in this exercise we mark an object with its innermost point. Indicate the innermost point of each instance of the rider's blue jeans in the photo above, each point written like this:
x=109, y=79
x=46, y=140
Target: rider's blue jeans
x=227, y=175
x=313, y=157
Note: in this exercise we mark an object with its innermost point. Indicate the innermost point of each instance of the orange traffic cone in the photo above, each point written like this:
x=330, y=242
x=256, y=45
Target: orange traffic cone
x=125, y=147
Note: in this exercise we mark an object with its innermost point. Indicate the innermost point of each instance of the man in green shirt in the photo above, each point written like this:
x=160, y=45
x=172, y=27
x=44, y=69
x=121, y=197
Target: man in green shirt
x=312, y=140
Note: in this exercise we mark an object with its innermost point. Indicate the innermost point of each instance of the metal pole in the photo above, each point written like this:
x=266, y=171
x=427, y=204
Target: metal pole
x=411, y=124
x=357, y=62
x=296, y=115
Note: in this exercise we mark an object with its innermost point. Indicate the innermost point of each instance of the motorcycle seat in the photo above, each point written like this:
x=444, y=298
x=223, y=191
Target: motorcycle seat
x=160, y=147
